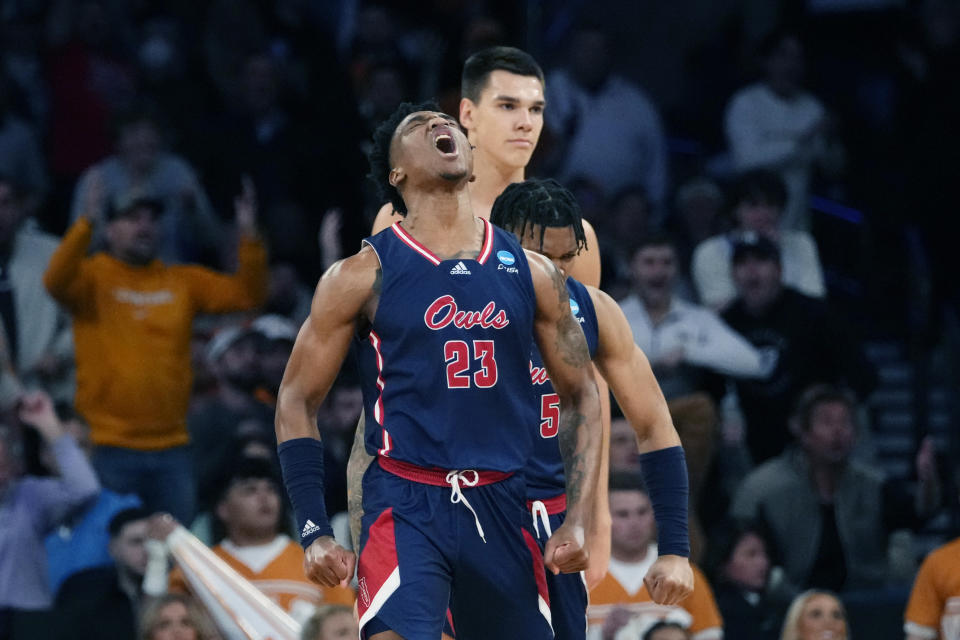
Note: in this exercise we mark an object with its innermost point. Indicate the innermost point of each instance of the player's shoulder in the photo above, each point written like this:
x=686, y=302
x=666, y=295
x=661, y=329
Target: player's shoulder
x=361, y=266
x=539, y=264
x=386, y=216
x=590, y=232
x=598, y=296
x=606, y=309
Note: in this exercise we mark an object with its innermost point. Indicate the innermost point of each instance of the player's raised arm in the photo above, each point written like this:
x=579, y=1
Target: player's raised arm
x=345, y=298
x=627, y=370
x=567, y=359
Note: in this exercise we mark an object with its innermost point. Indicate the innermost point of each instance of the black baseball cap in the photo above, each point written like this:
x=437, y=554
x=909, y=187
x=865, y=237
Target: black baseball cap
x=125, y=204
x=754, y=245
x=124, y=517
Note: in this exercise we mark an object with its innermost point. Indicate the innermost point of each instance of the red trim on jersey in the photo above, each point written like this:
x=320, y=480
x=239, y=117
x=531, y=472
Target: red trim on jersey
x=387, y=445
x=539, y=572
x=450, y=620
x=413, y=244
x=409, y=240
x=378, y=560
x=434, y=476
x=554, y=505
x=378, y=407
x=487, y=248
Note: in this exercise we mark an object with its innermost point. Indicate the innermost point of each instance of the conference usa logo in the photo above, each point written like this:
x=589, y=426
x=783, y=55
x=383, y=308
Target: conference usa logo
x=444, y=311
x=507, y=260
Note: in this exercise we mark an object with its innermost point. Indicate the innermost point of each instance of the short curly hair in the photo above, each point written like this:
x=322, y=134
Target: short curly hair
x=379, y=155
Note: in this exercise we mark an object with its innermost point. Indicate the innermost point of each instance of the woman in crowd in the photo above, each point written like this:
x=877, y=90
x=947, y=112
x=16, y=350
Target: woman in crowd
x=815, y=615
x=739, y=566
x=330, y=622
x=665, y=630
x=175, y=617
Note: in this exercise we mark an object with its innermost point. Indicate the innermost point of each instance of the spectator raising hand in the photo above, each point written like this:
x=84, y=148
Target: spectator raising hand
x=132, y=317
x=31, y=508
x=245, y=208
x=94, y=198
x=36, y=410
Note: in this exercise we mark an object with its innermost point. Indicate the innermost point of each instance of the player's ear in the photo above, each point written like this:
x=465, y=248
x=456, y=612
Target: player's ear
x=397, y=175
x=466, y=112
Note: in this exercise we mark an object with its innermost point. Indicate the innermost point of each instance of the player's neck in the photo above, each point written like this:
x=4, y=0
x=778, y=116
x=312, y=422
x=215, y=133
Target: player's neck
x=442, y=222
x=491, y=179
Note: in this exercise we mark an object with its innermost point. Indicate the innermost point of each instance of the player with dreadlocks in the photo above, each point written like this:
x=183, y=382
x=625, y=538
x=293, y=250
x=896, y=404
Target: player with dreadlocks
x=546, y=219
x=443, y=337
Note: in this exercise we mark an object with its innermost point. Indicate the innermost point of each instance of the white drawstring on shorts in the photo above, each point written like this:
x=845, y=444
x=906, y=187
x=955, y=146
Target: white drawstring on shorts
x=540, y=509
x=454, y=478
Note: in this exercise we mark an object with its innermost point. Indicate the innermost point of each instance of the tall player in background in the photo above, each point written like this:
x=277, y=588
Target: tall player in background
x=444, y=338
x=545, y=217
x=501, y=108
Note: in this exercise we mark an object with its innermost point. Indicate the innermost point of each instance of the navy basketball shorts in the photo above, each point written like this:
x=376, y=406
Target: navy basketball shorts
x=434, y=540
x=568, y=591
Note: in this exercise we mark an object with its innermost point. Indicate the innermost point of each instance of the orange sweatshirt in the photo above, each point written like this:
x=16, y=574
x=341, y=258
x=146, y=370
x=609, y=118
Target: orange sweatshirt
x=281, y=579
x=131, y=331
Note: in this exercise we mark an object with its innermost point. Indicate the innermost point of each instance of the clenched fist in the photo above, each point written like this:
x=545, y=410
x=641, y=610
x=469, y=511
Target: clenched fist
x=669, y=580
x=328, y=564
x=565, y=551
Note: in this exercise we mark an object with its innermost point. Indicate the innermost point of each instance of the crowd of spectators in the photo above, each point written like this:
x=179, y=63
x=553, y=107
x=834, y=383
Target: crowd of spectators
x=174, y=177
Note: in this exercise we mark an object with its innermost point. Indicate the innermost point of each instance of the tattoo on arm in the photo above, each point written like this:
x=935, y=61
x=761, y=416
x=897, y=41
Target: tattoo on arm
x=572, y=454
x=356, y=467
x=378, y=282
x=570, y=344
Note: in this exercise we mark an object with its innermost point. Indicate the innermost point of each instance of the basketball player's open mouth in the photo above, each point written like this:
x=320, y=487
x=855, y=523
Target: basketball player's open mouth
x=445, y=144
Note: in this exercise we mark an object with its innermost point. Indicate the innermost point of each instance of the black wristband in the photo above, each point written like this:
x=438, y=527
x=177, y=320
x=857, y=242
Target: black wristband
x=301, y=461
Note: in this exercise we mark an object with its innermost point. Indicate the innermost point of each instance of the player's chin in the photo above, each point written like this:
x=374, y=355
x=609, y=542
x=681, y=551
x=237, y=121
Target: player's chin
x=455, y=175
x=518, y=158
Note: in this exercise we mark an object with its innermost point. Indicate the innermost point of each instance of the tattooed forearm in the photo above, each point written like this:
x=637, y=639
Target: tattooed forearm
x=356, y=467
x=570, y=343
x=572, y=453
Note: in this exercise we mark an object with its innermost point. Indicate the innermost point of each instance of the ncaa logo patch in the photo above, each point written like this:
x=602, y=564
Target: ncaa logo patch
x=506, y=261
x=574, y=307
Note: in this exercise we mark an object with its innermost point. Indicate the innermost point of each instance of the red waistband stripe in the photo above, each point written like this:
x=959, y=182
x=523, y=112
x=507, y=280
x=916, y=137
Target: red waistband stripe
x=554, y=505
x=434, y=476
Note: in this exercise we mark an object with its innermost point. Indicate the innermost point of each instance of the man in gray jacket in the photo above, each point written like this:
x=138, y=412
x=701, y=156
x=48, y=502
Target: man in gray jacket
x=830, y=515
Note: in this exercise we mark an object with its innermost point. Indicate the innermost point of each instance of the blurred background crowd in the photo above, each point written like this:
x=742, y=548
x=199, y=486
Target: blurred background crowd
x=769, y=181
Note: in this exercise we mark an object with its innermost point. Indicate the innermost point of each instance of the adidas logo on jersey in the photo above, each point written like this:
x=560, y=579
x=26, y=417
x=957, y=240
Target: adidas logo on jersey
x=460, y=269
x=309, y=528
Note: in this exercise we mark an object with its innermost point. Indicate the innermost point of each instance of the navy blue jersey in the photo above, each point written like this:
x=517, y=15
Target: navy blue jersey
x=445, y=367
x=544, y=471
